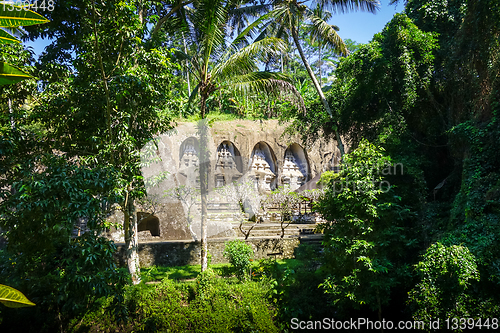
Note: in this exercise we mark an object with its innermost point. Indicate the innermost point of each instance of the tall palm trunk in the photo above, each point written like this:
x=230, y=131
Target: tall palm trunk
x=187, y=66
x=318, y=88
x=203, y=162
x=320, y=62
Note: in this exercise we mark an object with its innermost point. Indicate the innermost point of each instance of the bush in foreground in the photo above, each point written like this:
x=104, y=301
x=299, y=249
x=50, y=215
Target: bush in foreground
x=239, y=254
x=211, y=304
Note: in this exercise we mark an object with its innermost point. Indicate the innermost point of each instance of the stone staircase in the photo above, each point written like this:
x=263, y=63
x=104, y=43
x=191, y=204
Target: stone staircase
x=303, y=232
x=227, y=213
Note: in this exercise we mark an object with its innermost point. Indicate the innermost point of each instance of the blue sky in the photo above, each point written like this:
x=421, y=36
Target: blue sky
x=361, y=26
x=358, y=26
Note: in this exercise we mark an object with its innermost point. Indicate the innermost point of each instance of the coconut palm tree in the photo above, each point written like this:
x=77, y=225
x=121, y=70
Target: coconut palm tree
x=216, y=62
x=287, y=15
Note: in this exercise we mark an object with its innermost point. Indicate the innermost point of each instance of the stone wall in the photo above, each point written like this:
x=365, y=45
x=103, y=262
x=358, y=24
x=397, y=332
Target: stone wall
x=180, y=253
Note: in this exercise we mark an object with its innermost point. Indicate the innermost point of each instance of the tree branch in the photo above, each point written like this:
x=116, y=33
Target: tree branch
x=104, y=79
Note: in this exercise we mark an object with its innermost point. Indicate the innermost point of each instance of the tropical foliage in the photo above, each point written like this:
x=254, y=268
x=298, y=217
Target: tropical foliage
x=416, y=91
x=285, y=18
x=363, y=241
x=13, y=17
x=413, y=211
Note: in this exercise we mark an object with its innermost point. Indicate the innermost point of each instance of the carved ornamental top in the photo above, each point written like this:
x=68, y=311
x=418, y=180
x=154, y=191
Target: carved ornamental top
x=292, y=174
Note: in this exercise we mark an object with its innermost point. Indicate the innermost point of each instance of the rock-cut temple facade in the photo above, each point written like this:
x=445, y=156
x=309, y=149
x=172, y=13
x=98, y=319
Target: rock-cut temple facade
x=238, y=151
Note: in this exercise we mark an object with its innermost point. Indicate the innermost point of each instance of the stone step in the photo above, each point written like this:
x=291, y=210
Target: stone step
x=278, y=228
x=314, y=239
x=278, y=225
x=275, y=230
x=267, y=234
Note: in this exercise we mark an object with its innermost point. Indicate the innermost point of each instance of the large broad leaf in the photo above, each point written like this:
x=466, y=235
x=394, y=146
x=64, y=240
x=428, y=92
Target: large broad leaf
x=10, y=74
x=5, y=37
x=13, y=298
x=16, y=16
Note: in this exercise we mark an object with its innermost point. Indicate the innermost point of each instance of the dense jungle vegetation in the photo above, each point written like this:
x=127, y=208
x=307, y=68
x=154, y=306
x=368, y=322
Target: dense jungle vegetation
x=424, y=94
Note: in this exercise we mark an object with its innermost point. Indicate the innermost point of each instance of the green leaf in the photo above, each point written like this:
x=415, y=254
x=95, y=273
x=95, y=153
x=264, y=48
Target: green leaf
x=13, y=298
x=10, y=74
x=16, y=16
x=6, y=38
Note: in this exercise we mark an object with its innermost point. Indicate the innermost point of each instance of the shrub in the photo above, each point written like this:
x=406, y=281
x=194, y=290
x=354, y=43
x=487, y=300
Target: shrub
x=204, y=283
x=239, y=254
x=446, y=273
x=177, y=307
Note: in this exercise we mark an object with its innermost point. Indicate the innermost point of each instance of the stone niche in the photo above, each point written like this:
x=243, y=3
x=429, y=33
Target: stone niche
x=188, y=163
x=262, y=169
x=296, y=170
x=149, y=223
x=228, y=167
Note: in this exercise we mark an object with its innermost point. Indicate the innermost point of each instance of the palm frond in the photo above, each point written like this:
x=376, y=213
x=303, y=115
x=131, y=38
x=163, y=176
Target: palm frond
x=328, y=34
x=10, y=74
x=263, y=22
x=343, y=6
x=173, y=10
x=15, y=16
x=181, y=56
x=322, y=12
x=6, y=38
x=210, y=21
x=240, y=16
x=283, y=33
x=274, y=29
x=244, y=61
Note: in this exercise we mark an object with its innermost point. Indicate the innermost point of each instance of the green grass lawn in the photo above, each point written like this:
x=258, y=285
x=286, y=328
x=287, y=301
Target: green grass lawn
x=158, y=273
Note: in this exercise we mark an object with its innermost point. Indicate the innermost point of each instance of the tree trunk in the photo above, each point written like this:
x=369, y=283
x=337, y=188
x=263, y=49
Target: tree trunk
x=187, y=66
x=203, y=161
x=130, y=216
x=318, y=88
x=109, y=107
x=320, y=62
x=132, y=241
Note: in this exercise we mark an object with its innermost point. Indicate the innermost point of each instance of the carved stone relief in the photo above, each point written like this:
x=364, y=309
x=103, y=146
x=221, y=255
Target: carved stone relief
x=188, y=163
x=262, y=169
x=227, y=165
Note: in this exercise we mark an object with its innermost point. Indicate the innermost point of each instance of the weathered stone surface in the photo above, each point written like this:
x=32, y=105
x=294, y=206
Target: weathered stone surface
x=171, y=224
